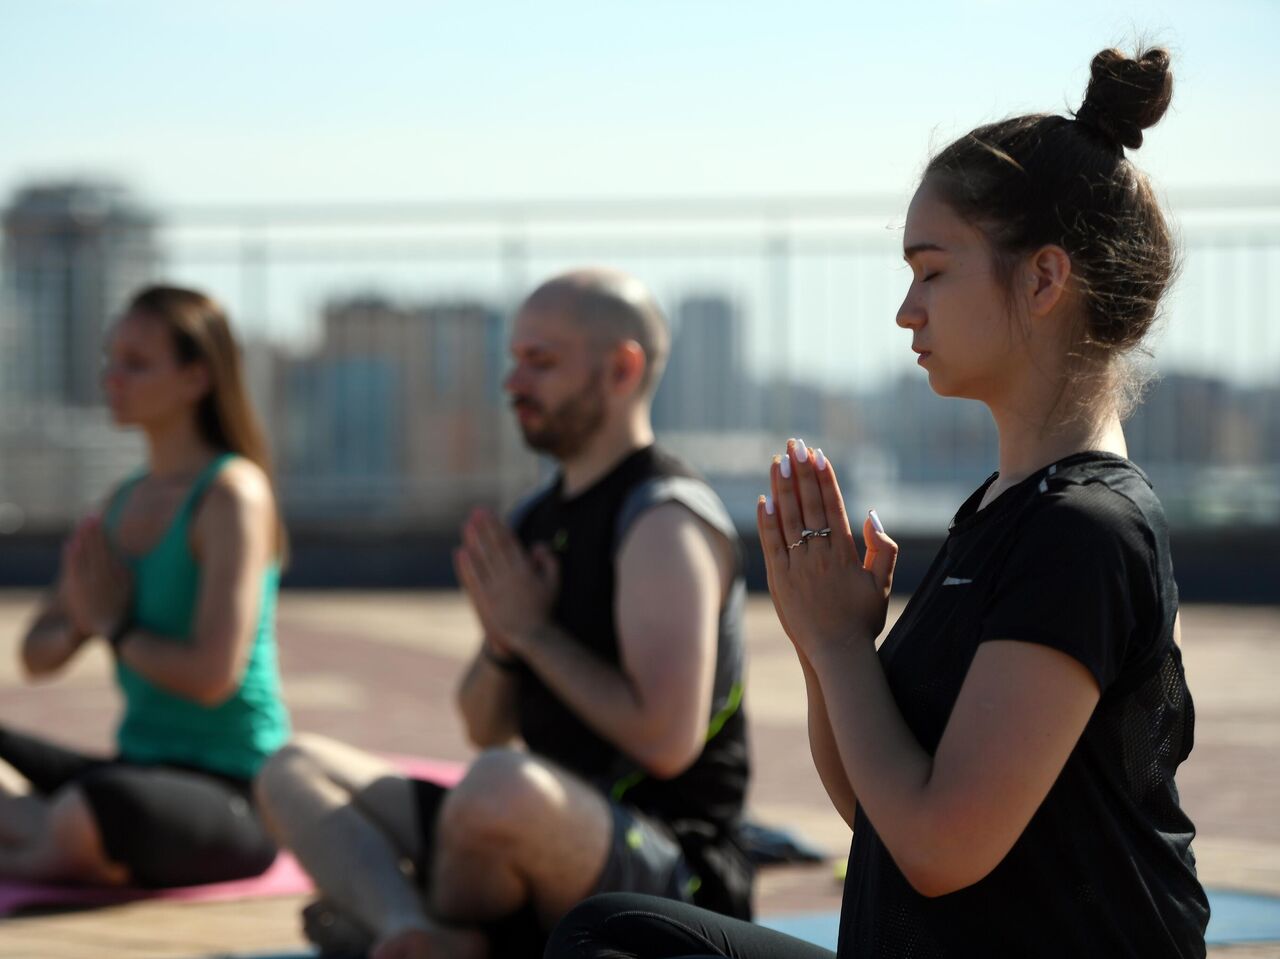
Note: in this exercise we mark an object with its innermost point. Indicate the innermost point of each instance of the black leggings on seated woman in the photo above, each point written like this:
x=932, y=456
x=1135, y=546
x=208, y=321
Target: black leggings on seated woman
x=625, y=925
x=169, y=825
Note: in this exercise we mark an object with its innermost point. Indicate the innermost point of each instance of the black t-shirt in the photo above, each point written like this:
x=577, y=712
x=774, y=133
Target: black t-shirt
x=702, y=805
x=1076, y=557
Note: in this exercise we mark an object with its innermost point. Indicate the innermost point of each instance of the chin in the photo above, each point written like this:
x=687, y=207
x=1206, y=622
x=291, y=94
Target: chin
x=952, y=390
x=539, y=443
x=937, y=383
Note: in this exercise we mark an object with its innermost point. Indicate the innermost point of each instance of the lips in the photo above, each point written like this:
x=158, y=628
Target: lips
x=525, y=410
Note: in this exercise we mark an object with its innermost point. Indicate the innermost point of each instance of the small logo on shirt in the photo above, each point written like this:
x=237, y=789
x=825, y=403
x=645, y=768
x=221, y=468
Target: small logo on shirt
x=560, y=541
x=956, y=581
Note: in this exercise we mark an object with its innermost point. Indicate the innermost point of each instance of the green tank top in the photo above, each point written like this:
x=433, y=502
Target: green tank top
x=235, y=737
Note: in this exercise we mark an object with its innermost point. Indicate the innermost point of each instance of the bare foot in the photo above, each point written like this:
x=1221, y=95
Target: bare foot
x=442, y=942
x=333, y=931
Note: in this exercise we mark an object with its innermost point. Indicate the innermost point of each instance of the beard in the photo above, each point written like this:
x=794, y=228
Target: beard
x=565, y=430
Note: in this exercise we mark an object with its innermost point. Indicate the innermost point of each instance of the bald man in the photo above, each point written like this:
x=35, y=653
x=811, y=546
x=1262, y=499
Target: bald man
x=605, y=694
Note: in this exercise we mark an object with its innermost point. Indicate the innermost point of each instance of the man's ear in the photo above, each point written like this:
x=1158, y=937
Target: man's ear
x=627, y=367
x=1047, y=272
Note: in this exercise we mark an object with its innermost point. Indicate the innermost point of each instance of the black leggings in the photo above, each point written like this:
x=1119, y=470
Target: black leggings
x=624, y=925
x=170, y=825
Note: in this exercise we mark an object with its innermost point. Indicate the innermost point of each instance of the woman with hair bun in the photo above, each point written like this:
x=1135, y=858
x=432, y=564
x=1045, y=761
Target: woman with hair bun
x=1006, y=757
x=179, y=577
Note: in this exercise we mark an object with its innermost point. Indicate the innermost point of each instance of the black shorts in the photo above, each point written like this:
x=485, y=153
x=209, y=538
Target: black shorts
x=170, y=825
x=643, y=855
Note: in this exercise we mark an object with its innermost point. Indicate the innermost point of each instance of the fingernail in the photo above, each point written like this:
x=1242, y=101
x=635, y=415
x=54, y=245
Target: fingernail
x=785, y=467
x=768, y=505
x=802, y=451
x=819, y=459
x=875, y=522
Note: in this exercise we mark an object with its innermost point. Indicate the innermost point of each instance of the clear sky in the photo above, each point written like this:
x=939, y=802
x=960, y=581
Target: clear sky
x=300, y=101
x=317, y=100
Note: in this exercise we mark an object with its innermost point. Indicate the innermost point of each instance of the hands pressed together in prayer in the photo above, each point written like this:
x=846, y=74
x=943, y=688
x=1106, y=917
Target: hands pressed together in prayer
x=825, y=594
x=96, y=585
x=511, y=590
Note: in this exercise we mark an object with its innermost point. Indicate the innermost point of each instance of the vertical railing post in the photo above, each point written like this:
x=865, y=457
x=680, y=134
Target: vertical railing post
x=778, y=265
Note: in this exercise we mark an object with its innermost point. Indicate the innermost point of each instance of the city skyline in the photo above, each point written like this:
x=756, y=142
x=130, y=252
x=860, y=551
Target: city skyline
x=390, y=409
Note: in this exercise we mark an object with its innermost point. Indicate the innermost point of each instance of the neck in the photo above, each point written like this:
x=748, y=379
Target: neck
x=606, y=450
x=175, y=449
x=1030, y=439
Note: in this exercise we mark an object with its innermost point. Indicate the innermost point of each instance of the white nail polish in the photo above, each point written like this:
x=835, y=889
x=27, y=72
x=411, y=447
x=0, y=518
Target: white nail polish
x=768, y=505
x=785, y=466
x=802, y=451
x=875, y=522
x=819, y=459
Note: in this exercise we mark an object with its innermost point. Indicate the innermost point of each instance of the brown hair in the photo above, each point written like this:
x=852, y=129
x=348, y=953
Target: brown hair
x=225, y=416
x=1041, y=179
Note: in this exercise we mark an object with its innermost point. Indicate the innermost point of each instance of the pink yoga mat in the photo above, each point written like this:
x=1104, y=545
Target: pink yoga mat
x=284, y=878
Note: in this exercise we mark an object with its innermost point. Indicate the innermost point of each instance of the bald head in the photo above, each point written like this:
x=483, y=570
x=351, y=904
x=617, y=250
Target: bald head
x=611, y=307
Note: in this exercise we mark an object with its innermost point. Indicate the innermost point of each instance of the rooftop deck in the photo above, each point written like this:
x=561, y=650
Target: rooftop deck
x=378, y=670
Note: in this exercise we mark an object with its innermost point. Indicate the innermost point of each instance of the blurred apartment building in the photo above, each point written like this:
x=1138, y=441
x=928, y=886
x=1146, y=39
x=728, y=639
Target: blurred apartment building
x=73, y=253
x=397, y=415
x=392, y=416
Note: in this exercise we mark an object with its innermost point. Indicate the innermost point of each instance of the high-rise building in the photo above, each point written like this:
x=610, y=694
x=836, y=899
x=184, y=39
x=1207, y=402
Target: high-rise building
x=704, y=387
x=73, y=253
x=399, y=411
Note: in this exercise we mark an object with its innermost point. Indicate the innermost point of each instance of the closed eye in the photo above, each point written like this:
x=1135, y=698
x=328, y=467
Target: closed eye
x=929, y=276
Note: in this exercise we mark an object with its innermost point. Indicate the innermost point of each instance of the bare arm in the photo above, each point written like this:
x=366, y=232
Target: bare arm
x=672, y=575
x=234, y=536
x=949, y=819
x=486, y=699
x=56, y=634
x=824, y=748
x=52, y=639
x=822, y=741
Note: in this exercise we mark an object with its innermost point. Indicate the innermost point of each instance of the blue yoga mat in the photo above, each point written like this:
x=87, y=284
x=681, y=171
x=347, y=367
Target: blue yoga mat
x=1233, y=917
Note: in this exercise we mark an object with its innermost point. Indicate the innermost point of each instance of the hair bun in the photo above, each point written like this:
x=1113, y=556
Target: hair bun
x=1126, y=95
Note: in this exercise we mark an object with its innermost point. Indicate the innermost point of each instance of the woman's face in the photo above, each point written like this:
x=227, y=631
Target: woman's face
x=955, y=308
x=144, y=381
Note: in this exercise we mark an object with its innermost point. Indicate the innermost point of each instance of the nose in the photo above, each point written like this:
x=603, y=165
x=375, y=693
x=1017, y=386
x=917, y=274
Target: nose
x=511, y=382
x=911, y=314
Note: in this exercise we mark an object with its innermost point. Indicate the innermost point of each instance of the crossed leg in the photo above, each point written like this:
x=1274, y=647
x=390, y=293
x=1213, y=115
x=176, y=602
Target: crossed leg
x=51, y=838
x=516, y=831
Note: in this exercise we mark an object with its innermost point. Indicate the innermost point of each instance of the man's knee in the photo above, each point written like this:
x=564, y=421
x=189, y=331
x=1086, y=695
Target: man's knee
x=504, y=793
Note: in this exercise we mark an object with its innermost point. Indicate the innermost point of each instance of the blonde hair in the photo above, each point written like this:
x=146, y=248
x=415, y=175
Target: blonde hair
x=225, y=416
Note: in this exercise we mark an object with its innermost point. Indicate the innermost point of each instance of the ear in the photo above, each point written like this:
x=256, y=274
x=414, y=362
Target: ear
x=1048, y=270
x=627, y=367
x=196, y=380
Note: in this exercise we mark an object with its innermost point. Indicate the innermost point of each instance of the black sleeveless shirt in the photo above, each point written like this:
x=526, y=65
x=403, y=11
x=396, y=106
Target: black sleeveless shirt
x=1076, y=557
x=702, y=805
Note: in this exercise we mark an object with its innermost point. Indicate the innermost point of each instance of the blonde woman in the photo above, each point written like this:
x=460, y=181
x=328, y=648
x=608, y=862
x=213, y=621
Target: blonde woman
x=179, y=576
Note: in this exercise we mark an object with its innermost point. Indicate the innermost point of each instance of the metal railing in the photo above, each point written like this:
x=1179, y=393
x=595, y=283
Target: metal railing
x=375, y=342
